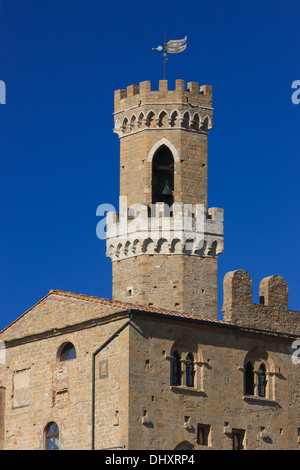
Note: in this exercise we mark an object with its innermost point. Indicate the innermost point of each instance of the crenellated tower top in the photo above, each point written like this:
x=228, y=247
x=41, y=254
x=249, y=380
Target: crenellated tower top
x=193, y=94
x=138, y=107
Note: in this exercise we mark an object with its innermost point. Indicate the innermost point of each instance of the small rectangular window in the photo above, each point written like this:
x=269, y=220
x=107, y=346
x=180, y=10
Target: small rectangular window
x=130, y=291
x=202, y=434
x=238, y=439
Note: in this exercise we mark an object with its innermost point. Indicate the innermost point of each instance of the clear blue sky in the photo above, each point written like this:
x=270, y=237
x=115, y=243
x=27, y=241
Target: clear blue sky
x=61, y=61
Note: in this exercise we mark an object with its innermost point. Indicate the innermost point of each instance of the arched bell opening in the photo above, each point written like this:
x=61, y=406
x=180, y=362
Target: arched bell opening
x=163, y=176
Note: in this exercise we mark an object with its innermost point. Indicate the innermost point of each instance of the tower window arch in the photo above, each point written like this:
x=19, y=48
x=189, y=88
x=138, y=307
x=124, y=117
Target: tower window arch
x=186, y=120
x=175, y=119
x=196, y=122
x=163, y=176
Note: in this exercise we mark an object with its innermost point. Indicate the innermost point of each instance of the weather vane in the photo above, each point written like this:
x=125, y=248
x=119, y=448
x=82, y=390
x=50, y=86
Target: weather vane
x=172, y=47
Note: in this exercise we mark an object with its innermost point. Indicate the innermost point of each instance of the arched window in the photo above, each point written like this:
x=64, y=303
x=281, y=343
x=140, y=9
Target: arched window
x=189, y=370
x=52, y=437
x=261, y=383
x=163, y=176
x=186, y=120
x=259, y=374
x=185, y=357
x=67, y=352
x=176, y=369
x=196, y=122
x=249, y=379
x=175, y=119
x=150, y=120
x=185, y=445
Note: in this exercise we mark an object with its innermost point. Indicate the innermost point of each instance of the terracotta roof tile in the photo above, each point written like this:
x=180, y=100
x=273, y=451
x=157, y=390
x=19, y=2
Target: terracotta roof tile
x=173, y=313
x=115, y=304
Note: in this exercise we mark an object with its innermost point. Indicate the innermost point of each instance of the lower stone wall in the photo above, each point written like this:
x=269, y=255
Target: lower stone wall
x=38, y=390
x=163, y=416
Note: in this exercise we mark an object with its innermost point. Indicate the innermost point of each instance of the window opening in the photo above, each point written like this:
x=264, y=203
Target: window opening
x=52, y=437
x=176, y=369
x=189, y=371
x=261, y=385
x=68, y=352
x=202, y=434
x=163, y=176
x=249, y=379
x=237, y=439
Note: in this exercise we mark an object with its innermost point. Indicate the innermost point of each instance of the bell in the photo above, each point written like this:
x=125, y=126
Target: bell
x=167, y=190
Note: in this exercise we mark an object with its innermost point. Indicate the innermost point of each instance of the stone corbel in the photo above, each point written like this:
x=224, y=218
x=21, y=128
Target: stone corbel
x=168, y=358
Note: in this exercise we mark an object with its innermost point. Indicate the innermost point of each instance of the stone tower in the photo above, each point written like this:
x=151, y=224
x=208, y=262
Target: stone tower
x=164, y=242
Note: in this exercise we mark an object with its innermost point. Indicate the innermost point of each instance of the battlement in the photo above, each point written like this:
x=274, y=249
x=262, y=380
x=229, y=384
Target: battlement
x=271, y=313
x=137, y=95
x=187, y=230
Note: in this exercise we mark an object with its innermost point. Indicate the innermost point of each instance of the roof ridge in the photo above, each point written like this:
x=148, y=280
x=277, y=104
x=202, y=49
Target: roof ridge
x=144, y=308
x=119, y=303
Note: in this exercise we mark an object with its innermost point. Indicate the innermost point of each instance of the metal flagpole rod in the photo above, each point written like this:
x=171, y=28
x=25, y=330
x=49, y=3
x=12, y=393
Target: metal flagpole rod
x=165, y=55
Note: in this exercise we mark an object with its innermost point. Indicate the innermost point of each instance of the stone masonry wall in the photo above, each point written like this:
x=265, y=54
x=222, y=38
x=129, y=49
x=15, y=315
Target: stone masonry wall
x=271, y=314
x=190, y=171
x=174, y=282
x=162, y=416
x=40, y=389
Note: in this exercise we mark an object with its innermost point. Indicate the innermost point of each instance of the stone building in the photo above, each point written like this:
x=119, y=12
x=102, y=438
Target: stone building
x=155, y=368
